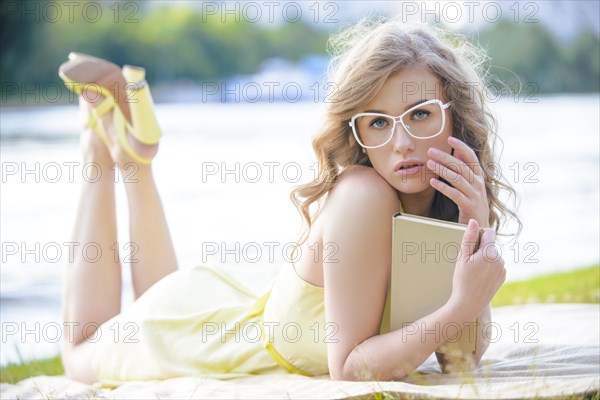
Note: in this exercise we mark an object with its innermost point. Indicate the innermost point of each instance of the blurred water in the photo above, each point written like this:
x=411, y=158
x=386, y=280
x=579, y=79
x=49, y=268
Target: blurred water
x=551, y=155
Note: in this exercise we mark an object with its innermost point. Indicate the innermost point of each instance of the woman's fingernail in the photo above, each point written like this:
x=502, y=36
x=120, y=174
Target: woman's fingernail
x=472, y=224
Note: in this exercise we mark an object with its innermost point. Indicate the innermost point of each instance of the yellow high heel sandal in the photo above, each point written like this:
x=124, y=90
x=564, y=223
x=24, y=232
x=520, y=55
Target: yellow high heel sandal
x=126, y=91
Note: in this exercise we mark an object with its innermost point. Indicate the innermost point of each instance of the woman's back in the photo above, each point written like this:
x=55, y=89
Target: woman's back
x=333, y=216
x=298, y=297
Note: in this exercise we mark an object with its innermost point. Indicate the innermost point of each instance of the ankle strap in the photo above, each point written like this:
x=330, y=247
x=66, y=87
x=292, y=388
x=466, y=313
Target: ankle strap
x=137, y=85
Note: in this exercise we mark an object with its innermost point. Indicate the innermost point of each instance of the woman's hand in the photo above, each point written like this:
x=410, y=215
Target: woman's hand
x=463, y=171
x=479, y=273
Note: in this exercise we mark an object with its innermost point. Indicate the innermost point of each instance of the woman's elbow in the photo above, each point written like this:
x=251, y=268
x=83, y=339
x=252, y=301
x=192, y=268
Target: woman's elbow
x=342, y=372
x=350, y=376
x=336, y=376
x=362, y=372
x=345, y=372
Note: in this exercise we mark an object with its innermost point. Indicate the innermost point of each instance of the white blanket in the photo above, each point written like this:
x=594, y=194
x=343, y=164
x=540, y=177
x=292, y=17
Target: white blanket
x=538, y=351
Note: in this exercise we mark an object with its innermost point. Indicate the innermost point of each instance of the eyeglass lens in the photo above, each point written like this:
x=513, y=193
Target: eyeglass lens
x=422, y=122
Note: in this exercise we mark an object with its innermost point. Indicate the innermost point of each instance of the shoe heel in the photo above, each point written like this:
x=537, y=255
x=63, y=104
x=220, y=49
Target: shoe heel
x=143, y=119
x=75, y=55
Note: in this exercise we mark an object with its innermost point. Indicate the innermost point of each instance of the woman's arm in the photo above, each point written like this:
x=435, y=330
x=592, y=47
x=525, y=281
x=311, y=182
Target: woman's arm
x=483, y=320
x=358, y=220
x=396, y=354
x=469, y=193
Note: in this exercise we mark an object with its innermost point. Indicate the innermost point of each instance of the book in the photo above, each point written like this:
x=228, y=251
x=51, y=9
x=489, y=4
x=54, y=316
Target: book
x=424, y=254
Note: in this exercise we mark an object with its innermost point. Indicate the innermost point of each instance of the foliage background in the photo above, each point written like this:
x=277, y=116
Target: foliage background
x=181, y=43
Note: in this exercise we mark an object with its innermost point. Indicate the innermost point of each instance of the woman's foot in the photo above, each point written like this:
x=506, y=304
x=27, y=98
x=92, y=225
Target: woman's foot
x=122, y=112
x=95, y=145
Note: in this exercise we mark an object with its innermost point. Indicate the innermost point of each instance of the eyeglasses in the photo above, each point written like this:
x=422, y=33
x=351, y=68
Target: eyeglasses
x=423, y=121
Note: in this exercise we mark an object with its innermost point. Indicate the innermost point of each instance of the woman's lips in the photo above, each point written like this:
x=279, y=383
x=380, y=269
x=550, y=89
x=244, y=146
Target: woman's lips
x=405, y=171
x=408, y=167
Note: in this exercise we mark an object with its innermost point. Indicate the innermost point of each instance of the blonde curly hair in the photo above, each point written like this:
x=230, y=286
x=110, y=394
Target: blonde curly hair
x=364, y=56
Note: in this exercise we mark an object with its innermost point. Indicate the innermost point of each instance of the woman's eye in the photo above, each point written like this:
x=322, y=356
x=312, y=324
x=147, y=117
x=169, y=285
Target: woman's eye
x=379, y=123
x=420, y=114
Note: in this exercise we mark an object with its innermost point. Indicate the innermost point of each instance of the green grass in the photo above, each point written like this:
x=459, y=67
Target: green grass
x=579, y=286
x=13, y=373
x=393, y=396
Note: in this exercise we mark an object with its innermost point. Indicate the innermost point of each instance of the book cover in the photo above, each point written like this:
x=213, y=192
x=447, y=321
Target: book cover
x=424, y=254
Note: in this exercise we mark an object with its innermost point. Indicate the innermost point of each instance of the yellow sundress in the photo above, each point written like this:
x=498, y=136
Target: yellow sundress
x=203, y=322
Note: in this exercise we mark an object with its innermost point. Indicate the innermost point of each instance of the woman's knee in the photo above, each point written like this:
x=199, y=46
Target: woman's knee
x=77, y=362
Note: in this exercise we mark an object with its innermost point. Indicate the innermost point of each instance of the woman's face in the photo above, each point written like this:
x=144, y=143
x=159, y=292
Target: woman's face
x=402, y=91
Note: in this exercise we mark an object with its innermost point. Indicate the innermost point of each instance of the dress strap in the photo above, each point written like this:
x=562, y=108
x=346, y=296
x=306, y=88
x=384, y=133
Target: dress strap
x=258, y=309
x=288, y=366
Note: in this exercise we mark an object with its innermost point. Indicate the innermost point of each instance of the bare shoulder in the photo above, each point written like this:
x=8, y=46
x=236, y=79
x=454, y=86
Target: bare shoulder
x=359, y=193
x=364, y=176
x=359, y=211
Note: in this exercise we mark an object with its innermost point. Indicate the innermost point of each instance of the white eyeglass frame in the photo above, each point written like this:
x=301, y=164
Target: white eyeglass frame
x=399, y=118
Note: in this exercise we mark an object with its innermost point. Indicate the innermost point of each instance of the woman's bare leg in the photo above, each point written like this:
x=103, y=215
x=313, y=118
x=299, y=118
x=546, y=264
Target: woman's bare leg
x=92, y=291
x=92, y=282
x=152, y=253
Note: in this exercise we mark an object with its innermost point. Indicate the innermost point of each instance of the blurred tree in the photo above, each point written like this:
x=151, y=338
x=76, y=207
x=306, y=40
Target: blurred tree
x=17, y=41
x=583, y=63
x=526, y=56
x=180, y=43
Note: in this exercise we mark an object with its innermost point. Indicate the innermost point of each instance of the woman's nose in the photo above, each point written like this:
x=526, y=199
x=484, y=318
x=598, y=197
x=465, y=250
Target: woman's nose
x=402, y=140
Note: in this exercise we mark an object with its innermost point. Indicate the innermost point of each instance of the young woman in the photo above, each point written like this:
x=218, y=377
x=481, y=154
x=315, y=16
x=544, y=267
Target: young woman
x=406, y=129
